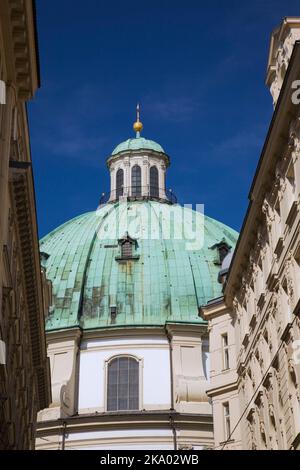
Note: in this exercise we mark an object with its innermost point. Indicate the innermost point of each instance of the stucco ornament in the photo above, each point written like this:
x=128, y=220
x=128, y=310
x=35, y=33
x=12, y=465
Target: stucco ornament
x=289, y=277
x=293, y=147
x=269, y=214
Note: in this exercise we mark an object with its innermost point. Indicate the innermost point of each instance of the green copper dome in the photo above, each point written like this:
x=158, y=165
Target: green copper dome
x=138, y=143
x=166, y=278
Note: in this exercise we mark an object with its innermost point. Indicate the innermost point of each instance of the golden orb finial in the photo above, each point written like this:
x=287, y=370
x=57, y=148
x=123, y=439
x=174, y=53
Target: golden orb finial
x=138, y=126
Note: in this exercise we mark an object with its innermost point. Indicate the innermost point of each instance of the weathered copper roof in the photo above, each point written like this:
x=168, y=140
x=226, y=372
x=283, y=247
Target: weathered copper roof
x=167, y=279
x=137, y=143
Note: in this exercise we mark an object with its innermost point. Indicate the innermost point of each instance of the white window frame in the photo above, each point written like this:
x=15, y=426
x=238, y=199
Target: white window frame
x=226, y=419
x=225, y=351
x=141, y=368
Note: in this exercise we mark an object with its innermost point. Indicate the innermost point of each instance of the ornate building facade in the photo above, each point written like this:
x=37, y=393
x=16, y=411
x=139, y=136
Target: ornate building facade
x=255, y=326
x=124, y=337
x=24, y=292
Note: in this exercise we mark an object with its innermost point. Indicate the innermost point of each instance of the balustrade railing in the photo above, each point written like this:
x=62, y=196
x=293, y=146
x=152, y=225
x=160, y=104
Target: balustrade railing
x=134, y=193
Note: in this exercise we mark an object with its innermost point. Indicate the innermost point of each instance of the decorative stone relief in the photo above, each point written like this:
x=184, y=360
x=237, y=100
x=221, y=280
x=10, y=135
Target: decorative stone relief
x=289, y=277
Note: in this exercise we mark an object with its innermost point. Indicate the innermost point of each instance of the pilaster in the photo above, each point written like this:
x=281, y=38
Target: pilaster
x=63, y=353
x=189, y=381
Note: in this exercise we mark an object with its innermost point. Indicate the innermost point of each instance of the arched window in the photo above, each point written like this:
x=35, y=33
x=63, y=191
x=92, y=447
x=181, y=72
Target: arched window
x=154, y=192
x=123, y=384
x=119, y=182
x=136, y=179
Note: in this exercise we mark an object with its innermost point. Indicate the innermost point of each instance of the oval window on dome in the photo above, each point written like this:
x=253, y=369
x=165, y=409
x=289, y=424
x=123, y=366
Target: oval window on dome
x=154, y=191
x=136, y=181
x=123, y=384
x=119, y=182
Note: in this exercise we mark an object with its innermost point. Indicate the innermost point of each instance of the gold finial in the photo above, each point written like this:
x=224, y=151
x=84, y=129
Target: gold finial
x=138, y=126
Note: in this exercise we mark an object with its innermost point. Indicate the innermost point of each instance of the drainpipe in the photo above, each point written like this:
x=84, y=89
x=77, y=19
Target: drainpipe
x=171, y=418
x=63, y=442
x=172, y=424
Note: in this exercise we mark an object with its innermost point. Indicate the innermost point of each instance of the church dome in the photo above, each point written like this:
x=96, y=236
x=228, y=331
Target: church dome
x=163, y=278
x=138, y=143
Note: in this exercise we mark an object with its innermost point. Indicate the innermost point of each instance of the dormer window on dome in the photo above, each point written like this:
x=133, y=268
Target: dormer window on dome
x=222, y=249
x=128, y=247
x=138, y=170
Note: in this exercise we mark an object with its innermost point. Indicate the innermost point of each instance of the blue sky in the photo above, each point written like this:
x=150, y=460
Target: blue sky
x=198, y=70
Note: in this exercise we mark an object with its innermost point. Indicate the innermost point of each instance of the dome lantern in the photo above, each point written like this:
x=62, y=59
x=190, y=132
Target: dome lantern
x=138, y=169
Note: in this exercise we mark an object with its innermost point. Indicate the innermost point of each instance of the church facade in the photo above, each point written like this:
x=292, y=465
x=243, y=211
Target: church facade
x=255, y=325
x=128, y=351
x=167, y=331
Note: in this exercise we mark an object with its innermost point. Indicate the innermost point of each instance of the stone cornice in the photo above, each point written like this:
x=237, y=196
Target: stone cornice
x=19, y=32
x=139, y=153
x=132, y=419
x=77, y=333
x=222, y=389
x=186, y=329
x=214, y=310
x=280, y=33
x=22, y=194
x=107, y=333
x=68, y=334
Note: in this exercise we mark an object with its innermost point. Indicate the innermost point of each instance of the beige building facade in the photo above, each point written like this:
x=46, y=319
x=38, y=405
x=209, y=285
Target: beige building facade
x=255, y=327
x=223, y=391
x=25, y=294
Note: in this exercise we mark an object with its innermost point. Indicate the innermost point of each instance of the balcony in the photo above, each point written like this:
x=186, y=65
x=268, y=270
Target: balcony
x=139, y=193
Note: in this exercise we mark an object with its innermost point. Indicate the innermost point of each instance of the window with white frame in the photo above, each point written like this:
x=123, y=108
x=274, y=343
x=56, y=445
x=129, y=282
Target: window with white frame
x=226, y=414
x=123, y=384
x=225, y=351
